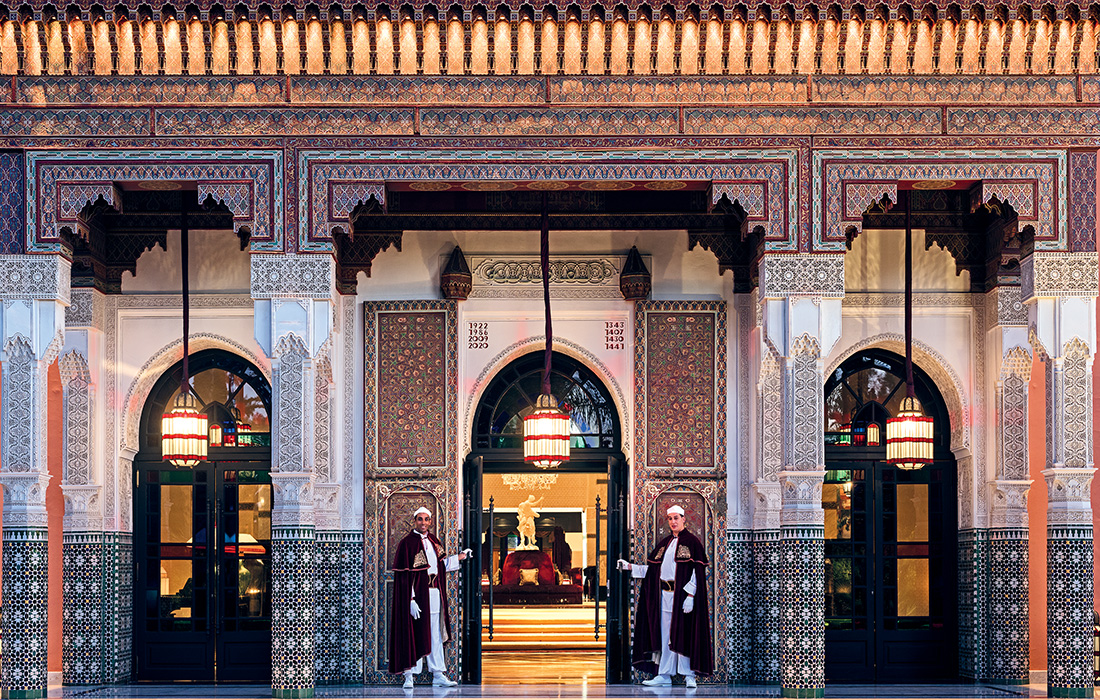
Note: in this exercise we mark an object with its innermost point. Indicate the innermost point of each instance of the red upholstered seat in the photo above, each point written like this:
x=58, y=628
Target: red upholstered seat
x=529, y=559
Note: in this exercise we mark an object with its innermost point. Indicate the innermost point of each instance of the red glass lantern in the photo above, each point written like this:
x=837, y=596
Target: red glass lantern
x=183, y=433
x=874, y=435
x=909, y=436
x=546, y=434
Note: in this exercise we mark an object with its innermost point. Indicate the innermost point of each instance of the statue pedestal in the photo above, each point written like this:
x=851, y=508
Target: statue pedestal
x=529, y=559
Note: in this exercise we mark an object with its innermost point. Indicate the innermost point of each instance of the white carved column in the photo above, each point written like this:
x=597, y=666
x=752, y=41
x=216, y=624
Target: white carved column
x=801, y=296
x=34, y=290
x=1060, y=290
x=293, y=320
x=1005, y=580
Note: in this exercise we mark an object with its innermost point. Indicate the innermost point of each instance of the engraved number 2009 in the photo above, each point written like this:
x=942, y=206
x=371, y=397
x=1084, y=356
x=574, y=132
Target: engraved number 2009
x=477, y=335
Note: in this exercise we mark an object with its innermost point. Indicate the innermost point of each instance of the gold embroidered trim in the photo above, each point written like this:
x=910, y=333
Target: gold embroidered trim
x=421, y=559
x=682, y=552
x=660, y=554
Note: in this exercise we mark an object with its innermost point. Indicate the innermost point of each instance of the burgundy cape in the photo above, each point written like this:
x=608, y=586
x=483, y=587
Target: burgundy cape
x=412, y=639
x=689, y=634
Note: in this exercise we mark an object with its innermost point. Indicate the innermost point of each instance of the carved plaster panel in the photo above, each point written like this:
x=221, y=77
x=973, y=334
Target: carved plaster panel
x=801, y=493
x=770, y=412
x=1009, y=504
x=24, y=499
x=292, y=504
x=768, y=500
x=83, y=508
x=35, y=277
x=819, y=275
x=1051, y=274
x=576, y=276
x=86, y=309
x=803, y=382
x=302, y=276
x=1010, y=307
x=1068, y=496
x=289, y=421
x=78, y=398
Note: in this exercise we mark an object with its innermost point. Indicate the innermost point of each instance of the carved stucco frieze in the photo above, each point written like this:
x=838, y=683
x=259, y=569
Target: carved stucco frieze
x=86, y=309
x=770, y=415
x=767, y=503
x=801, y=494
x=1068, y=495
x=78, y=399
x=326, y=513
x=305, y=276
x=24, y=499
x=293, y=499
x=815, y=275
x=1012, y=414
x=44, y=277
x=83, y=508
x=1011, y=310
x=804, y=404
x=290, y=371
x=1009, y=500
x=1058, y=274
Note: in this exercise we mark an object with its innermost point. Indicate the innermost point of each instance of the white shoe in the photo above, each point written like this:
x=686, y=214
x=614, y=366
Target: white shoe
x=658, y=681
x=689, y=681
x=408, y=684
x=442, y=680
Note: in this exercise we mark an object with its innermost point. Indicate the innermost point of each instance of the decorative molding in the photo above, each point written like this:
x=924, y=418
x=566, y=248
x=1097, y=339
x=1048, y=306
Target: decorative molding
x=24, y=499
x=293, y=502
x=575, y=276
x=816, y=275
x=768, y=500
x=803, y=402
x=1009, y=509
x=801, y=494
x=86, y=309
x=291, y=373
x=83, y=508
x=247, y=180
x=293, y=276
x=938, y=300
x=1068, y=495
x=78, y=400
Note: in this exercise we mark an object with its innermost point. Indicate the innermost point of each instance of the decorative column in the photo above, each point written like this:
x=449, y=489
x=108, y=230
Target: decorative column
x=1060, y=290
x=801, y=296
x=327, y=554
x=34, y=290
x=1009, y=353
x=293, y=297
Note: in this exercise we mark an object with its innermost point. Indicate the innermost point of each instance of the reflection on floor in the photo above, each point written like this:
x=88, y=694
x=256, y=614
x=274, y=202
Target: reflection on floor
x=548, y=692
x=543, y=644
x=530, y=667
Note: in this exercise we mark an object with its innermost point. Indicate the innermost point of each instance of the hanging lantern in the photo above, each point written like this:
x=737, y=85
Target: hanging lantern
x=183, y=432
x=546, y=434
x=909, y=436
x=216, y=435
x=874, y=435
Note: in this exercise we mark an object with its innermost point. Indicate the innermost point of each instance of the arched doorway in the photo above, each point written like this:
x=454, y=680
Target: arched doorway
x=890, y=534
x=202, y=535
x=547, y=608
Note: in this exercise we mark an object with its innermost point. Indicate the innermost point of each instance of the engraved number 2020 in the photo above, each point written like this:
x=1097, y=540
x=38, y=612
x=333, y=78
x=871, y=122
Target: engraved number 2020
x=477, y=336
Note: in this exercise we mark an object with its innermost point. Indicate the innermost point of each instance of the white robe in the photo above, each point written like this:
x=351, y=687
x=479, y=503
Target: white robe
x=436, y=662
x=668, y=662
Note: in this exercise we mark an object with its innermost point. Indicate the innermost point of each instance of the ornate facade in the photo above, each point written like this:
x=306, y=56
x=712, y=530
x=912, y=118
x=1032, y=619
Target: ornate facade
x=748, y=153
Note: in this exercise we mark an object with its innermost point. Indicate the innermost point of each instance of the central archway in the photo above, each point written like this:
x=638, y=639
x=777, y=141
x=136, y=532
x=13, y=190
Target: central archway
x=890, y=534
x=202, y=535
x=549, y=599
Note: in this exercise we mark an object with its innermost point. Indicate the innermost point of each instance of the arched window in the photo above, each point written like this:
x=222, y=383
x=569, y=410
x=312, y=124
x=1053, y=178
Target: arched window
x=498, y=423
x=866, y=390
x=232, y=392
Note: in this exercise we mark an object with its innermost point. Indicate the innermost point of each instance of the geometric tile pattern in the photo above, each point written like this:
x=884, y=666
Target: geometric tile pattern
x=351, y=606
x=84, y=639
x=119, y=617
x=802, y=626
x=767, y=579
x=328, y=622
x=23, y=665
x=1009, y=660
x=345, y=196
x=11, y=203
x=1069, y=611
x=737, y=615
x=858, y=196
x=292, y=673
x=973, y=557
x=236, y=196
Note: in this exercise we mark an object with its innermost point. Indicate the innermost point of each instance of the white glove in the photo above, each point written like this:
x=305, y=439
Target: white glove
x=689, y=604
x=623, y=565
x=468, y=552
x=414, y=609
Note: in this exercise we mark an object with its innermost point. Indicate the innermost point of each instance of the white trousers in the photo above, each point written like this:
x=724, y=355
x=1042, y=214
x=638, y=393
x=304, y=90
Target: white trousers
x=670, y=663
x=436, y=662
